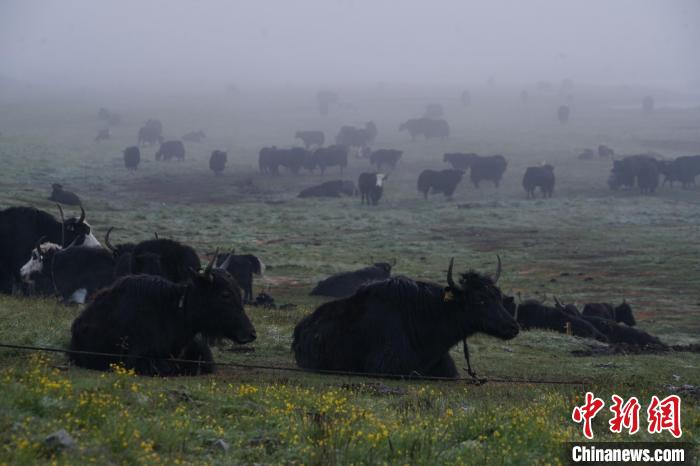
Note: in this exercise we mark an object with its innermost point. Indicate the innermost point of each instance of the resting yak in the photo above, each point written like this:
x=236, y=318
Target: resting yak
x=443, y=181
x=149, y=321
x=533, y=314
x=401, y=326
x=175, y=260
x=621, y=313
x=344, y=284
x=335, y=188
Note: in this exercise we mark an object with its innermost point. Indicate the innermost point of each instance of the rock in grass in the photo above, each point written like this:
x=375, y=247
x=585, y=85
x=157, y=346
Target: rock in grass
x=221, y=445
x=59, y=440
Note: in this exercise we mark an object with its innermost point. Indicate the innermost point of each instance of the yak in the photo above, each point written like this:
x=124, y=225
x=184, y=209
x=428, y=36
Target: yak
x=60, y=195
x=20, y=230
x=687, y=168
x=242, y=267
x=335, y=188
x=539, y=177
x=217, y=161
x=311, y=138
x=402, y=327
x=148, y=321
x=171, y=150
x=642, y=169
x=443, y=181
x=371, y=186
x=271, y=158
x=427, y=127
x=175, y=259
x=121, y=254
x=357, y=137
x=151, y=133
x=388, y=157
x=343, y=284
x=489, y=168
x=75, y=273
x=533, y=314
x=617, y=333
x=132, y=157
x=621, y=313
x=458, y=160
x=336, y=155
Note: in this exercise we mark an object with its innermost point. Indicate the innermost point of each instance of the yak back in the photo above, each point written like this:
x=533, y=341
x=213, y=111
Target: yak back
x=344, y=284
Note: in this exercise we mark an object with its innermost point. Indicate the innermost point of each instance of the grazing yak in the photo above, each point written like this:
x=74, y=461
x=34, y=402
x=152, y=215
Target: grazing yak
x=58, y=194
x=132, y=158
x=458, y=160
x=242, y=267
x=194, y=136
x=621, y=313
x=149, y=320
x=442, y=181
x=311, y=138
x=533, y=314
x=22, y=227
x=642, y=169
x=335, y=188
x=75, y=273
x=539, y=177
x=176, y=260
x=605, y=152
x=343, y=284
x=402, y=326
x=563, y=113
x=336, y=155
x=371, y=186
x=617, y=333
x=385, y=157
x=489, y=168
x=151, y=133
x=171, y=150
x=217, y=161
x=427, y=127
x=103, y=135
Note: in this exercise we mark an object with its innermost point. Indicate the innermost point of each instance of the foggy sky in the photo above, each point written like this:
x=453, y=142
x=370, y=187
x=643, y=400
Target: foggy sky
x=200, y=45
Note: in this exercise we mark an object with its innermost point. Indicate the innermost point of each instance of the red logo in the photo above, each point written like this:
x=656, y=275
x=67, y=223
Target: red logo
x=625, y=415
x=587, y=412
x=665, y=415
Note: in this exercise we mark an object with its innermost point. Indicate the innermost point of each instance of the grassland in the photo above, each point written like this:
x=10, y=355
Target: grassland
x=584, y=244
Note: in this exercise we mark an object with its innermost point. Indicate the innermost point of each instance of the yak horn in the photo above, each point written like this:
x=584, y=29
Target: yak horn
x=107, y=243
x=450, y=281
x=82, y=215
x=63, y=225
x=210, y=265
x=155, y=233
x=498, y=270
x=224, y=265
x=557, y=301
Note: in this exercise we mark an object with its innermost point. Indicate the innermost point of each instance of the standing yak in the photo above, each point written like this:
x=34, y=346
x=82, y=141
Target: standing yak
x=171, y=150
x=458, y=160
x=444, y=181
x=642, y=169
x=132, y=158
x=371, y=186
x=64, y=197
x=217, y=161
x=542, y=177
x=489, y=168
x=344, y=284
x=311, y=138
x=388, y=157
x=401, y=326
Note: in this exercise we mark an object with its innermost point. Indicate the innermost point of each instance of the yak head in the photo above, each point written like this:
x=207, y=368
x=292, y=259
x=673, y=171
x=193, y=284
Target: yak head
x=220, y=304
x=77, y=231
x=35, y=265
x=623, y=313
x=480, y=304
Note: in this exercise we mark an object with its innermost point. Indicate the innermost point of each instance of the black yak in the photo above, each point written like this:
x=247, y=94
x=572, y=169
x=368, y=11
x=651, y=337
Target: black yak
x=335, y=188
x=311, y=138
x=151, y=133
x=176, y=260
x=171, y=150
x=242, y=267
x=442, y=181
x=617, y=333
x=621, y=313
x=121, y=254
x=357, y=137
x=642, y=169
x=459, y=161
x=539, y=177
x=132, y=157
x=271, y=158
x=344, y=284
x=371, y=186
x=533, y=314
x=148, y=320
x=336, y=155
x=385, y=157
x=686, y=168
x=60, y=195
x=427, y=127
x=401, y=326
x=489, y=168
x=217, y=161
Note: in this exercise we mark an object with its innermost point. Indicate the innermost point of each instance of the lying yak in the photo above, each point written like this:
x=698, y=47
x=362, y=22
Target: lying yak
x=533, y=314
x=335, y=188
x=617, y=333
x=371, y=186
x=60, y=195
x=442, y=181
x=539, y=177
x=344, y=284
x=175, y=260
x=402, y=326
x=621, y=313
x=149, y=321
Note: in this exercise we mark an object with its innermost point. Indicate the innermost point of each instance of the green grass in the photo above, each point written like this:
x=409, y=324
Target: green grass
x=585, y=244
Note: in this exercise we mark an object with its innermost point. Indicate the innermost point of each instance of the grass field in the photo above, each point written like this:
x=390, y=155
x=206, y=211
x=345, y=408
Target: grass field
x=584, y=244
